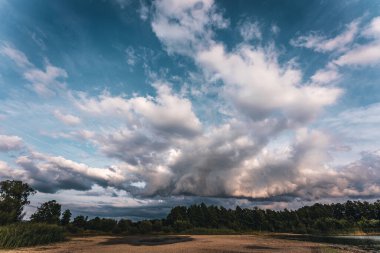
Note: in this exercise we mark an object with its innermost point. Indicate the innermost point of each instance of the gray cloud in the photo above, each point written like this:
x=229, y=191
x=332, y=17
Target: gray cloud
x=263, y=146
x=10, y=143
x=53, y=173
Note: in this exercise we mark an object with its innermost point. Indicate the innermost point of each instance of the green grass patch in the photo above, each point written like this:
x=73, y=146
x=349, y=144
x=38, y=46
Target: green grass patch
x=29, y=234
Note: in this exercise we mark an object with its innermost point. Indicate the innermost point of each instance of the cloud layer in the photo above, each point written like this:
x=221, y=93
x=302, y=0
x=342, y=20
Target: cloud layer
x=264, y=141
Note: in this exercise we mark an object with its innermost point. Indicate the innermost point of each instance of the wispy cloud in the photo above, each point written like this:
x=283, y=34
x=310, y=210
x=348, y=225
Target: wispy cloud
x=44, y=82
x=250, y=30
x=67, y=119
x=320, y=43
x=15, y=55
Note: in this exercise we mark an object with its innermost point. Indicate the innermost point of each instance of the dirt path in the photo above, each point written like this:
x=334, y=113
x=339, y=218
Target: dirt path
x=185, y=244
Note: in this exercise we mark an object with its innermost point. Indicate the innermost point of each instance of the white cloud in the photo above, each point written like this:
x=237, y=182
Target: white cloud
x=326, y=76
x=185, y=26
x=320, y=43
x=10, y=143
x=163, y=148
x=67, y=119
x=45, y=82
x=52, y=173
x=15, y=55
x=351, y=54
x=362, y=55
x=6, y=172
x=366, y=53
x=103, y=105
x=167, y=113
x=259, y=86
x=250, y=30
x=373, y=29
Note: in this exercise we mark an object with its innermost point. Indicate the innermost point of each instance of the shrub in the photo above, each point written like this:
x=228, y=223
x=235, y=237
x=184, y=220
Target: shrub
x=29, y=234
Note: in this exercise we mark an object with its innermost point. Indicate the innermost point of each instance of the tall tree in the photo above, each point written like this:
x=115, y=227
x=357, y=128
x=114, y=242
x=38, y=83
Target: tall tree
x=48, y=212
x=13, y=197
x=80, y=221
x=66, y=216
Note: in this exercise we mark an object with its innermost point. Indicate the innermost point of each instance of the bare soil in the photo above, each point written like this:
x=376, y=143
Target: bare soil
x=185, y=244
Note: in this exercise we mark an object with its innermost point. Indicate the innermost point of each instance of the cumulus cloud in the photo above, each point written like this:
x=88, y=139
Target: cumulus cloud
x=10, y=143
x=162, y=147
x=259, y=86
x=6, y=172
x=185, y=26
x=52, y=173
x=360, y=178
x=166, y=113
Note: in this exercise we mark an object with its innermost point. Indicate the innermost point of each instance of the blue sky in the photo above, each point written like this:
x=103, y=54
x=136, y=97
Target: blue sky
x=126, y=108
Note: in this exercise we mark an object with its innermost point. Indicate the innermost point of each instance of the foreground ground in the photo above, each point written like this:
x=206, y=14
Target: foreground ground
x=186, y=244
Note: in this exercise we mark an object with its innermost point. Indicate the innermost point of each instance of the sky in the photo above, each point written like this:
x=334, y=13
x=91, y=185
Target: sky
x=121, y=108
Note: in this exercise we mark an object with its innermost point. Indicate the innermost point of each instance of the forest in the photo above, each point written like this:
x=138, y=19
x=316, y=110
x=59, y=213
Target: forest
x=338, y=218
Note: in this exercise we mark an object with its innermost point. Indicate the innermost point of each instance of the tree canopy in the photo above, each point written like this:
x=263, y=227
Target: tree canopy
x=13, y=197
x=48, y=212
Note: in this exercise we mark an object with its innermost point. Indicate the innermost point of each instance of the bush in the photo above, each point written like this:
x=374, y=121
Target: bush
x=29, y=234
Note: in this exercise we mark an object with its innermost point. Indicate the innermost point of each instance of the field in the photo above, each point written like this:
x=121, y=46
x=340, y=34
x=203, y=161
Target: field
x=185, y=244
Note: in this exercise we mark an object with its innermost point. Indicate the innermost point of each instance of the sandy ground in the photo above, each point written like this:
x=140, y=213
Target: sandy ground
x=186, y=244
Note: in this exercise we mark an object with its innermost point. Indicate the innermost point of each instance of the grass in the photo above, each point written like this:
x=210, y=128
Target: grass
x=29, y=234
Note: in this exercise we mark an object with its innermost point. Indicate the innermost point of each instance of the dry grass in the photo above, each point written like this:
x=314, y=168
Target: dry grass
x=183, y=244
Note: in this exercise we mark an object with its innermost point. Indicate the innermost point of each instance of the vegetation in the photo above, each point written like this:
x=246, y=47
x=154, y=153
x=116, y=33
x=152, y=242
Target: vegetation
x=49, y=212
x=48, y=223
x=29, y=234
x=15, y=233
x=348, y=217
x=13, y=197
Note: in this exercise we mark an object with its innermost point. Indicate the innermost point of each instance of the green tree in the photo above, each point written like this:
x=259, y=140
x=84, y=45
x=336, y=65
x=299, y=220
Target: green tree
x=48, y=212
x=145, y=227
x=80, y=221
x=124, y=225
x=13, y=197
x=66, y=216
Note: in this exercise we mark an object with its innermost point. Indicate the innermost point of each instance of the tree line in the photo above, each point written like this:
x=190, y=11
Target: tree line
x=318, y=218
